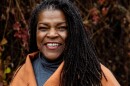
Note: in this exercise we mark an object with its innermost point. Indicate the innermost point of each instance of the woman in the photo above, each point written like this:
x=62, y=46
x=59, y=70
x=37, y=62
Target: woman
x=61, y=51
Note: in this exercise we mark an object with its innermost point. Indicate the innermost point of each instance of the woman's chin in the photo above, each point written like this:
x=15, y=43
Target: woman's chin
x=51, y=57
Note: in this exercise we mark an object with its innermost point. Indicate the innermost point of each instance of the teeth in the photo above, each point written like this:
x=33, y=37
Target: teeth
x=52, y=44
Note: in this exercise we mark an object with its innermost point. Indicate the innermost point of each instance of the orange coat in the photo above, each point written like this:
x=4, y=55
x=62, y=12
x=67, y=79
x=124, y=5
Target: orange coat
x=25, y=76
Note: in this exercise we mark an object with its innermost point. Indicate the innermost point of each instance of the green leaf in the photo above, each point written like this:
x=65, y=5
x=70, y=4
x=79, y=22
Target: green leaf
x=7, y=70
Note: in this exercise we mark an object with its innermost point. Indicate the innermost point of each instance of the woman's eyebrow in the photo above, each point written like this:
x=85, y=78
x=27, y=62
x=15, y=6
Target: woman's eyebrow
x=46, y=24
x=62, y=23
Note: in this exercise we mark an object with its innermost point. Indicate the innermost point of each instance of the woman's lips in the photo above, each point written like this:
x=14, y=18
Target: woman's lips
x=52, y=45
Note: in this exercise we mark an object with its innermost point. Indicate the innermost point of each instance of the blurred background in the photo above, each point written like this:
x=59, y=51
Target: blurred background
x=107, y=21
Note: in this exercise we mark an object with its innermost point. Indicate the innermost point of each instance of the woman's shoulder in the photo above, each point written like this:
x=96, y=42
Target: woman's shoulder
x=108, y=78
x=24, y=73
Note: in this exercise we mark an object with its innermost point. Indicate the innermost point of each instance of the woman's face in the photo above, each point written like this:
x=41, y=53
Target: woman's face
x=51, y=33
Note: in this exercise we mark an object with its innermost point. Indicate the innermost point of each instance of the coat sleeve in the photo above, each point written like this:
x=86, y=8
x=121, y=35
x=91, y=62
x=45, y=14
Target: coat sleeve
x=108, y=78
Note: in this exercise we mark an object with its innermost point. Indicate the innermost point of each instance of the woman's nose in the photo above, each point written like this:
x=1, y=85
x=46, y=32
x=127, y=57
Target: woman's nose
x=52, y=33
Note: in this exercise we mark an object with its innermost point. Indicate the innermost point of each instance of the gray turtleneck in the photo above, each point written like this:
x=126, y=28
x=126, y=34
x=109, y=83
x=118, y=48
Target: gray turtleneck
x=43, y=69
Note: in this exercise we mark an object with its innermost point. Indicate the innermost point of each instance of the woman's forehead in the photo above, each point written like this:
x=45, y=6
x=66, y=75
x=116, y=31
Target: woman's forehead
x=53, y=16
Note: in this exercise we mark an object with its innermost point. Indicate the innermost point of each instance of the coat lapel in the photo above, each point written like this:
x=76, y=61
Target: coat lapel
x=54, y=80
x=29, y=72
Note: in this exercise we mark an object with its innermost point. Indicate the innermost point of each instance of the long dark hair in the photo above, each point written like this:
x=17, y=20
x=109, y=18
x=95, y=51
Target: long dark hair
x=81, y=67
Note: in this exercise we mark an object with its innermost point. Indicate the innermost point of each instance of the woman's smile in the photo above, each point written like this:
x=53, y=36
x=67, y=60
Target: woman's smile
x=53, y=45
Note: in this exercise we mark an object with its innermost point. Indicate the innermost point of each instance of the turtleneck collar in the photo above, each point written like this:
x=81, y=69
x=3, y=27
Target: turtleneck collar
x=50, y=65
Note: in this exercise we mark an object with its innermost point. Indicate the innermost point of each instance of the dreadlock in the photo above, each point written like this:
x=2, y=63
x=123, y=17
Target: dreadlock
x=81, y=67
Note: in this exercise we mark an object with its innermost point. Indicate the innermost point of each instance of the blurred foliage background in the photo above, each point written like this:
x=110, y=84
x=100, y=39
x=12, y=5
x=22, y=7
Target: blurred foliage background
x=107, y=21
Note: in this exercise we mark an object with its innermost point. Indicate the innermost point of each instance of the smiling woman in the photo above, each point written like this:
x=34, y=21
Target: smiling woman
x=61, y=53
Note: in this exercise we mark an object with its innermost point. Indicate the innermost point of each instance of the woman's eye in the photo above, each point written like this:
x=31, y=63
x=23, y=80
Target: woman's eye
x=62, y=28
x=42, y=28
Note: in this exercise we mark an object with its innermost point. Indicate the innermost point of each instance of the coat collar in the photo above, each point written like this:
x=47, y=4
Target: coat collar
x=28, y=71
x=54, y=79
